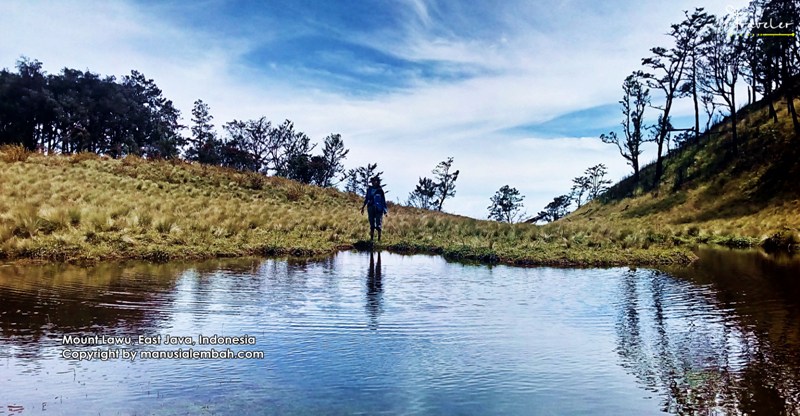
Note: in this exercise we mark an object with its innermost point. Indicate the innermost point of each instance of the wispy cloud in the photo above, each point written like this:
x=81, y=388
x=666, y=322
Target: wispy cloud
x=407, y=83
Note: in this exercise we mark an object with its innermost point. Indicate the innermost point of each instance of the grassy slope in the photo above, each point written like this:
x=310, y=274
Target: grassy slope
x=713, y=194
x=85, y=208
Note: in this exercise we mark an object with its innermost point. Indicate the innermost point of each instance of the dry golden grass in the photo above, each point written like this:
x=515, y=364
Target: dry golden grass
x=85, y=207
x=709, y=195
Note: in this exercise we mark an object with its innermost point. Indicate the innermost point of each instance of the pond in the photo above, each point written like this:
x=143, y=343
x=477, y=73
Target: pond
x=382, y=333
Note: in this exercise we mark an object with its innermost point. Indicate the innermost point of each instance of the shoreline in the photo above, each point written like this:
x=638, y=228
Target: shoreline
x=675, y=257
x=681, y=256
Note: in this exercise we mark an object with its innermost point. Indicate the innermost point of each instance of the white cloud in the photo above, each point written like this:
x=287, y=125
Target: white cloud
x=543, y=62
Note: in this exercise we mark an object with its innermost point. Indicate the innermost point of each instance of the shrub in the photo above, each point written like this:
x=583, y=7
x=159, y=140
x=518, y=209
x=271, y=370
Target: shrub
x=14, y=153
x=784, y=240
x=80, y=157
x=294, y=192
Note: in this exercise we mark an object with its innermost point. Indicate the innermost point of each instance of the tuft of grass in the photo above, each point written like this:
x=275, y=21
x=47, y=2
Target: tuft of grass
x=144, y=220
x=83, y=156
x=165, y=224
x=74, y=216
x=14, y=153
x=295, y=191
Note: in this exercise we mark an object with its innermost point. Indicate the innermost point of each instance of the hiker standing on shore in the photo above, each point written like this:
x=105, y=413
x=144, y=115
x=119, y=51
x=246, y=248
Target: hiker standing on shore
x=375, y=201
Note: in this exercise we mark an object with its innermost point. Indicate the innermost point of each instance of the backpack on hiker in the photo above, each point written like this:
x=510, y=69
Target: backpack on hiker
x=377, y=201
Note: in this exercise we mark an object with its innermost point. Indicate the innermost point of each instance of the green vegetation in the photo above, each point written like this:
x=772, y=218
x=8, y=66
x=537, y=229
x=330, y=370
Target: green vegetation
x=84, y=208
x=711, y=193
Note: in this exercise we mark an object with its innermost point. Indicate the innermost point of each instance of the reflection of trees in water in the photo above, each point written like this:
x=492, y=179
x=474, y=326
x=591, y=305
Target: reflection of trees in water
x=699, y=342
x=629, y=342
x=49, y=301
x=39, y=302
x=374, y=290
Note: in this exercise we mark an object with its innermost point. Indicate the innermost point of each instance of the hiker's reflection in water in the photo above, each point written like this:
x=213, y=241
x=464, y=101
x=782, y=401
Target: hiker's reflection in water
x=374, y=290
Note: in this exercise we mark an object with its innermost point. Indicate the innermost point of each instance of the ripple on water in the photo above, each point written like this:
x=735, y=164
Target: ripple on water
x=400, y=334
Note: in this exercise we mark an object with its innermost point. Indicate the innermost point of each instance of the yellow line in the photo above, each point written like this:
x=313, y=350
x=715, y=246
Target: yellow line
x=776, y=34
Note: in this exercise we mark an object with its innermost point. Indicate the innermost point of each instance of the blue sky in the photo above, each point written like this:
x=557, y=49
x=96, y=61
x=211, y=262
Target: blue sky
x=516, y=91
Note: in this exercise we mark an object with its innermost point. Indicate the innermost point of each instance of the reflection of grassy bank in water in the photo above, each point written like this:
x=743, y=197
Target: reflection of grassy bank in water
x=85, y=208
x=111, y=298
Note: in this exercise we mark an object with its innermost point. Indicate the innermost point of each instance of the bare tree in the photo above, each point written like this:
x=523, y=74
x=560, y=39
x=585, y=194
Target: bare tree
x=445, y=182
x=580, y=186
x=721, y=66
x=634, y=102
x=333, y=154
x=788, y=53
x=553, y=211
x=669, y=64
x=597, y=182
x=710, y=107
x=204, y=147
x=693, y=30
x=357, y=180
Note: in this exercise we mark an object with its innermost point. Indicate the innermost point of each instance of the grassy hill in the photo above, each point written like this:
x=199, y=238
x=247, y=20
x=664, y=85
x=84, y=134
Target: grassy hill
x=714, y=192
x=84, y=208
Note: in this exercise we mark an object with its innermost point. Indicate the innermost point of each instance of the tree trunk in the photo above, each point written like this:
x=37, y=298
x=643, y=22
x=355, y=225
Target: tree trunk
x=659, y=164
x=694, y=97
x=662, y=137
x=772, y=113
x=769, y=96
x=770, y=99
x=734, y=136
x=788, y=91
x=793, y=112
x=29, y=136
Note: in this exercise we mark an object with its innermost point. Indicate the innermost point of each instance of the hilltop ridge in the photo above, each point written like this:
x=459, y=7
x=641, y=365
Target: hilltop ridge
x=84, y=208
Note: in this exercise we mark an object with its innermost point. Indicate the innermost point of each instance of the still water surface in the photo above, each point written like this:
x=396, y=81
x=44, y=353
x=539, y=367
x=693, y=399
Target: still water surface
x=390, y=334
